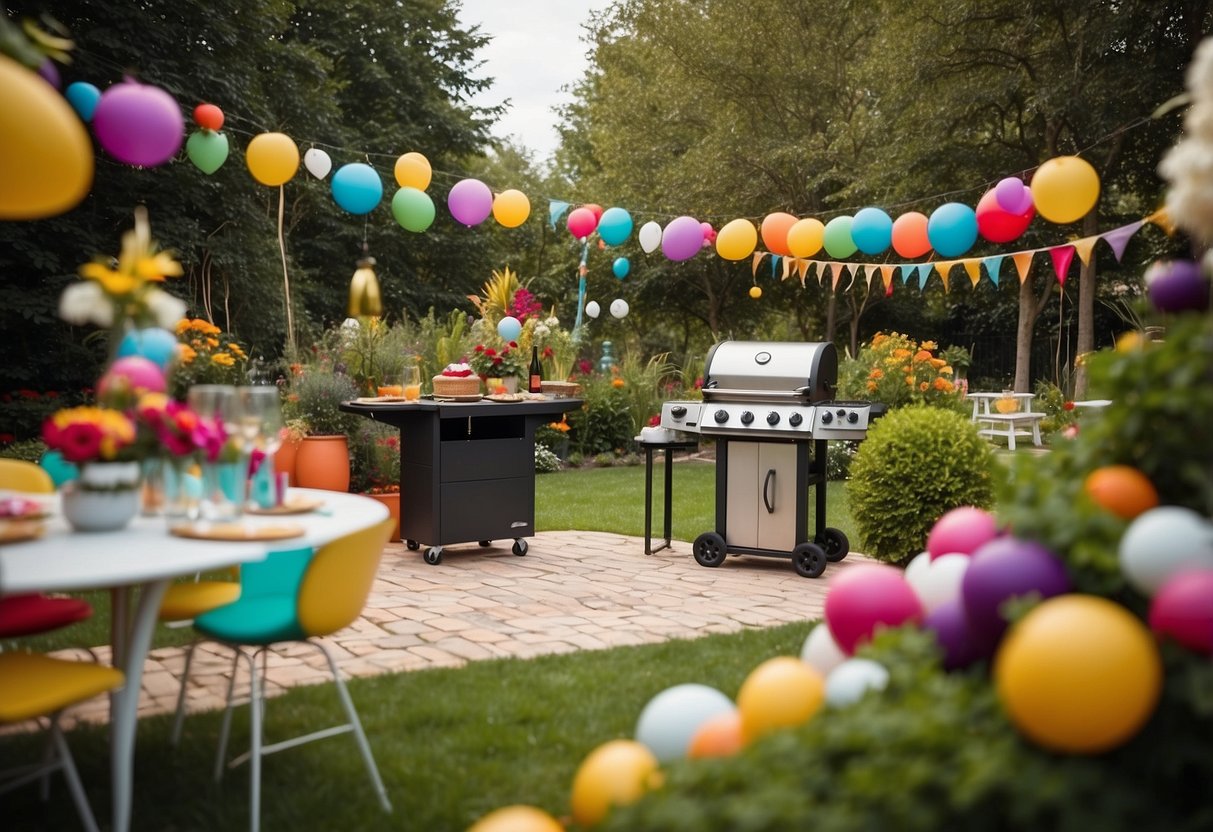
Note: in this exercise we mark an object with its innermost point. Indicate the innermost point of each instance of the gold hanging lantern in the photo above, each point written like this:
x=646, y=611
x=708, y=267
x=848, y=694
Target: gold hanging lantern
x=364, y=290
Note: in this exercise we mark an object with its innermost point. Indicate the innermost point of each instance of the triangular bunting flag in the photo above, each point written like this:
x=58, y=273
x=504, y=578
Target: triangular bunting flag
x=973, y=267
x=993, y=267
x=1084, y=248
x=1162, y=219
x=556, y=210
x=802, y=266
x=1062, y=256
x=758, y=255
x=924, y=272
x=775, y=258
x=788, y=263
x=907, y=270
x=886, y=277
x=1118, y=238
x=867, y=276
x=853, y=270
x=835, y=273
x=1023, y=262
x=945, y=267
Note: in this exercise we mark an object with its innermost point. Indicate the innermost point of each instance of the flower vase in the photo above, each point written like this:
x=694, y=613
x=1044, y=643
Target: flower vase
x=166, y=492
x=497, y=386
x=324, y=462
x=222, y=491
x=104, y=498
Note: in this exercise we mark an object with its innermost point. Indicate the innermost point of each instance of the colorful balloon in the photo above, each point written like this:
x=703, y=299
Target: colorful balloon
x=1078, y=674
x=207, y=150
x=615, y=773
x=774, y=231
x=865, y=599
x=961, y=530
x=138, y=124
x=852, y=679
x=156, y=345
x=509, y=328
x=1065, y=189
x=838, y=240
x=782, y=692
x=621, y=267
x=1177, y=286
x=719, y=736
x=736, y=241
x=413, y=209
x=670, y=719
x=470, y=202
x=208, y=117
x=511, y=208
x=910, y=235
x=1182, y=609
x=1008, y=567
x=755, y=292
x=357, y=188
x=49, y=73
x=317, y=162
x=709, y=234
x=1162, y=542
x=821, y=652
x=961, y=646
x=996, y=224
x=83, y=97
x=650, y=236
x=517, y=818
x=132, y=374
x=619, y=308
x=272, y=158
x=615, y=226
x=1013, y=196
x=940, y=581
x=872, y=230
x=413, y=171
x=806, y=237
x=581, y=222
x=681, y=239
x=952, y=229
x=593, y=309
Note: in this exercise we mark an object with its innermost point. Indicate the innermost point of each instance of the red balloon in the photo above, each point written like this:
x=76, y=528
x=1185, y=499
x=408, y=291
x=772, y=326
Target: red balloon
x=596, y=210
x=208, y=117
x=997, y=225
x=775, y=229
x=866, y=598
x=910, y=235
x=1183, y=610
x=582, y=222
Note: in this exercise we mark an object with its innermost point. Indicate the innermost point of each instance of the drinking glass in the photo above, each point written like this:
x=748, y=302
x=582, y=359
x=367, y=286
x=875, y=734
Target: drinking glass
x=223, y=479
x=261, y=429
x=412, y=382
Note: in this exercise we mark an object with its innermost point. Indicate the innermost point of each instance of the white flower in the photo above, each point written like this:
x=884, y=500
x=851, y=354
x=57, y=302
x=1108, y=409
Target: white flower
x=541, y=331
x=165, y=308
x=86, y=303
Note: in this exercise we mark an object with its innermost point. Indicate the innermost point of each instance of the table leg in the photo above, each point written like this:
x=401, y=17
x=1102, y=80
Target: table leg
x=669, y=492
x=648, y=501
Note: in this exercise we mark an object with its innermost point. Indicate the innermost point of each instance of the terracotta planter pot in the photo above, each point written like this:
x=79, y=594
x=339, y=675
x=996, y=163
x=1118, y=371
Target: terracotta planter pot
x=392, y=501
x=284, y=459
x=323, y=462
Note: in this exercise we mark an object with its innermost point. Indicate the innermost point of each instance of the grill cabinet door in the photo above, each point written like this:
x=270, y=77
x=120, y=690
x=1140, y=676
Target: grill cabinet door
x=762, y=477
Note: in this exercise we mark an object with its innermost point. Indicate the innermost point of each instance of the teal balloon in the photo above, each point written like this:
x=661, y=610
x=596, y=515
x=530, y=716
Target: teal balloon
x=621, y=267
x=356, y=188
x=838, y=240
x=84, y=98
x=872, y=230
x=509, y=328
x=413, y=209
x=207, y=150
x=156, y=345
x=615, y=226
x=952, y=229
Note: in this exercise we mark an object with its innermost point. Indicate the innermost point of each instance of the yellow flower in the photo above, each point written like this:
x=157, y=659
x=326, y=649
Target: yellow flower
x=186, y=353
x=946, y=370
x=113, y=282
x=222, y=359
x=212, y=342
x=929, y=345
x=901, y=352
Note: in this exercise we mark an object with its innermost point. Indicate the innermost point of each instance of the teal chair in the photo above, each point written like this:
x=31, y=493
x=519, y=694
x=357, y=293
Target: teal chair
x=296, y=596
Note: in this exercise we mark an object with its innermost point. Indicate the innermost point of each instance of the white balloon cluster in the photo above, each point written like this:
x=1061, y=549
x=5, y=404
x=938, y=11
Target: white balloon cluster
x=593, y=309
x=650, y=236
x=847, y=679
x=317, y=162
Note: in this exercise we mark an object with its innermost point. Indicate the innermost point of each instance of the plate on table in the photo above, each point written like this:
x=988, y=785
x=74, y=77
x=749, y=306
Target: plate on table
x=15, y=531
x=298, y=505
x=235, y=531
x=380, y=400
x=473, y=397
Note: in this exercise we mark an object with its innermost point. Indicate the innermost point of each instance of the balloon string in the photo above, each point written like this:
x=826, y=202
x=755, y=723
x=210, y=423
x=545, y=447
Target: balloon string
x=286, y=280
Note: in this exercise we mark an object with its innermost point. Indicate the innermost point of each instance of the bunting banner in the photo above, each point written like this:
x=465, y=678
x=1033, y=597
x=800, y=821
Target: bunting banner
x=802, y=266
x=1062, y=256
x=993, y=267
x=758, y=255
x=556, y=210
x=1023, y=263
x=973, y=268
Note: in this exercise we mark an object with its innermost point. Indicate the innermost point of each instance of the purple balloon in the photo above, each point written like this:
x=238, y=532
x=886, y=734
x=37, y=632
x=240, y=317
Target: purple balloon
x=1005, y=568
x=138, y=124
x=682, y=238
x=1177, y=286
x=50, y=73
x=961, y=646
x=1013, y=196
x=470, y=201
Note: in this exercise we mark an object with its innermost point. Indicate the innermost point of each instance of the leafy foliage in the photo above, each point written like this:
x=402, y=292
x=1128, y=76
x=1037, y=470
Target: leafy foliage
x=896, y=370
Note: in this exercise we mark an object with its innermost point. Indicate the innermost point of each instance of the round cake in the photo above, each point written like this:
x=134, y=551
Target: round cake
x=456, y=380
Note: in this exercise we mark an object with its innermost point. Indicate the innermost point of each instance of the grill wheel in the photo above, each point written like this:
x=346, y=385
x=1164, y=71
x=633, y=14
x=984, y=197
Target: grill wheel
x=809, y=559
x=834, y=543
x=709, y=549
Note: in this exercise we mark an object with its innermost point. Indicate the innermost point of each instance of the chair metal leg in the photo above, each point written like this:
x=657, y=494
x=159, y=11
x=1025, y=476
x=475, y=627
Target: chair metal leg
x=255, y=747
x=363, y=746
x=72, y=776
x=179, y=719
x=227, y=717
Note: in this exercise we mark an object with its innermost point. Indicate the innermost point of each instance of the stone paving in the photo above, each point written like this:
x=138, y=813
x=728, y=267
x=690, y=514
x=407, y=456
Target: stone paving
x=574, y=590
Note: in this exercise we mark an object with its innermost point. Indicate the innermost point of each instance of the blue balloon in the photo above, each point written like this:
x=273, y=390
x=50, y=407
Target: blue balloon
x=357, y=188
x=872, y=230
x=83, y=97
x=156, y=345
x=509, y=328
x=952, y=229
x=615, y=226
x=621, y=267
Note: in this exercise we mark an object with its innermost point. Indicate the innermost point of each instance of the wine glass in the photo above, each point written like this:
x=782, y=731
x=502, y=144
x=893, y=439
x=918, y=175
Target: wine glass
x=223, y=481
x=261, y=427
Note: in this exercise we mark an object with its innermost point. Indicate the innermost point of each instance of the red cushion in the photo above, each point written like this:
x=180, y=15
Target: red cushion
x=23, y=615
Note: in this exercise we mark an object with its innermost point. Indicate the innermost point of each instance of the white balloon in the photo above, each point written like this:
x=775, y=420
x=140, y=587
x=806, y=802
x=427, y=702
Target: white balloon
x=941, y=583
x=918, y=566
x=650, y=236
x=619, y=308
x=669, y=721
x=821, y=652
x=1163, y=541
x=847, y=684
x=317, y=162
x=592, y=309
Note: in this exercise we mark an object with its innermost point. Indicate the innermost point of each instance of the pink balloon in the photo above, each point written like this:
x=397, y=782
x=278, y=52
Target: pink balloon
x=138, y=124
x=1012, y=195
x=961, y=531
x=582, y=222
x=866, y=598
x=470, y=202
x=1000, y=226
x=1183, y=610
x=709, y=233
x=134, y=373
x=682, y=238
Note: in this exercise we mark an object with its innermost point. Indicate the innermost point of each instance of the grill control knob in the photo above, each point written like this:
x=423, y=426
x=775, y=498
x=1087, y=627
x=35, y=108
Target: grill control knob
x=852, y=417
x=747, y=417
x=678, y=411
x=795, y=419
x=827, y=417
x=772, y=418
x=721, y=416
x=841, y=413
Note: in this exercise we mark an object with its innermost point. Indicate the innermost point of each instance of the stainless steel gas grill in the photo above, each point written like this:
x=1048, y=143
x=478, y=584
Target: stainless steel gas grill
x=770, y=408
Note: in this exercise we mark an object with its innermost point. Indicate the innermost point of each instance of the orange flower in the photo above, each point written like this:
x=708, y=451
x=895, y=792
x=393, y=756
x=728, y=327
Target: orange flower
x=617, y=383
x=876, y=374
x=922, y=355
x=871, y=387
x=923, y=386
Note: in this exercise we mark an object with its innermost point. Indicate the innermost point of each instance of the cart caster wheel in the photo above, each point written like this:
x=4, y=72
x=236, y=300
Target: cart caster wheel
x=433, y=555
x=520, y=547
x=486, y=543
x=834, y=543
x=413, y=545
x=709, y=549
x=809, y=559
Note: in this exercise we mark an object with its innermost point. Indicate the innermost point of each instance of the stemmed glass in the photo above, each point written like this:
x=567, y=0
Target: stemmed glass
x=222, y=480
x=261, y=429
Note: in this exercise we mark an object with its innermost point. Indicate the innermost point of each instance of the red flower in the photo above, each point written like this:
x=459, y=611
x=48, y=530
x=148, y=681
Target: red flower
x=547, y=352
x=655, y=420
x=1068, y=406
x=480, y=348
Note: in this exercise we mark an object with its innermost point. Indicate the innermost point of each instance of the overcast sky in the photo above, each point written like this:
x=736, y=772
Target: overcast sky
x=536, y=49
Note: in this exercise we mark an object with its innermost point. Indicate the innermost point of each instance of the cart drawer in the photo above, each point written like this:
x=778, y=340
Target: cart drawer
x=487, y=510
x=479, y=459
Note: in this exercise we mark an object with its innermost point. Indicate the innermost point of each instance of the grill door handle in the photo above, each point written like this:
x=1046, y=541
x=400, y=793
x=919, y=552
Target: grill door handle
x=767, y=497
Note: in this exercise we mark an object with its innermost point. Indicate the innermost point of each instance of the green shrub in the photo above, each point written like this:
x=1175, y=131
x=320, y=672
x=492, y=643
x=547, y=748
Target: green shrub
x=30, y=450
x=604, y=423
x=917, y=462
x=545, y=461
x=838, y=460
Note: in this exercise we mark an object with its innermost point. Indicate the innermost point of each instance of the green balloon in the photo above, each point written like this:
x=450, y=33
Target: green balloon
x=413, y=209
x=838, y=242
x=207, y=150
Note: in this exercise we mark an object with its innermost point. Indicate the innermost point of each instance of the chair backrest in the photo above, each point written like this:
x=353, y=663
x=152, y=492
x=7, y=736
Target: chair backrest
x=19, y=475
x=339, y=579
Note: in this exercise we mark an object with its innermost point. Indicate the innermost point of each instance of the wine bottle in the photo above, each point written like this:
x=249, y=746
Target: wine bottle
x=536, y=383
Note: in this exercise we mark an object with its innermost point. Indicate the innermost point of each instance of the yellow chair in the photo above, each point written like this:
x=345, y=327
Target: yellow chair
x=19, y=475
x=33, y=686
x=296, y=596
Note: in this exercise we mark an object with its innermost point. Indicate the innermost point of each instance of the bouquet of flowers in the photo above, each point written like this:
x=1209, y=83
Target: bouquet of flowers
x=90, y=434
x=499, y=362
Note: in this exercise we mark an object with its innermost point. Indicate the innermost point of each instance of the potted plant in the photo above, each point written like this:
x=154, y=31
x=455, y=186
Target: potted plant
x=313, y=405
x=500, y=366
x=375, y=466
x=959, y=359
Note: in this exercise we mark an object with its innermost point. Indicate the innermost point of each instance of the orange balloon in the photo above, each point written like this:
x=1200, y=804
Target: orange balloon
x=775, y=229
x=272, y=158
x=1122, y=490
x=208, y=117
x=782, y=692
x=413, y=171
x=719, y=736
x=805, y=237
x=517, y=819
x=910, y=235
x=615, y=773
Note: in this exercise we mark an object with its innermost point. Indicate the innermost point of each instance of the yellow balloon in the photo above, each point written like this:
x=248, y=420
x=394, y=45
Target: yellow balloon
x=46, y=157
x=272, y=158
x=511, y=208
x=1065, y=189
x=1078, y=674
x=806, y=237
x=780, y=693
x=736, y=241
x=755, y=292
x=615, y=773
x=413, y=171
x=516, y=819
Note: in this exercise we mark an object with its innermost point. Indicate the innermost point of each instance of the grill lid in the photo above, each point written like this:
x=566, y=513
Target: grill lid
x=770, y=371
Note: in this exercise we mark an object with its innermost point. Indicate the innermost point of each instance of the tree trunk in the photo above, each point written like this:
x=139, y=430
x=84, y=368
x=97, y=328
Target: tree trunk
x=1030, y=307
x=831, y=315
x=1086, y=309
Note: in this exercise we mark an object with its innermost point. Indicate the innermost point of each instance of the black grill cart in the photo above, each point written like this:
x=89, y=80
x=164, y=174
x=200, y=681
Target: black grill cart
x=467, y=469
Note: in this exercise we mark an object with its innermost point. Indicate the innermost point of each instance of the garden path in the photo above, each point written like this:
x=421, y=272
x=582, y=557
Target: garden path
x=575, y=590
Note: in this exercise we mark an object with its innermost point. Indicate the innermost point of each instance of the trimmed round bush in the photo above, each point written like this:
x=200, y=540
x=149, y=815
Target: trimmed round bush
x=916, y=463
